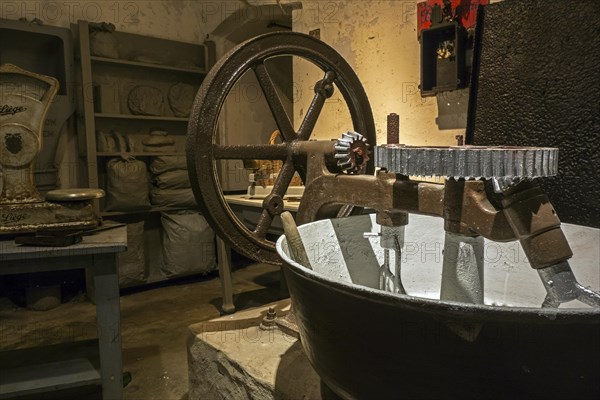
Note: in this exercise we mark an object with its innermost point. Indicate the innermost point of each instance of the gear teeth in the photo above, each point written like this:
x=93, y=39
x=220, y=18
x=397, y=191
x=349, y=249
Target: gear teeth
x=468, y=162
x=350, y=136
x=344, y=151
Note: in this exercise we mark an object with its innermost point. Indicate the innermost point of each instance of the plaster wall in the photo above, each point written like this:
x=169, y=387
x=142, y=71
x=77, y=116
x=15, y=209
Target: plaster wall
x=183, y=20
x=379, y=40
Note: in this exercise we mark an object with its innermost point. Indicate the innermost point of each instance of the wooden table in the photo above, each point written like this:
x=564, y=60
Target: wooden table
x=248, y=211
x=245, y=200
x=98, y=254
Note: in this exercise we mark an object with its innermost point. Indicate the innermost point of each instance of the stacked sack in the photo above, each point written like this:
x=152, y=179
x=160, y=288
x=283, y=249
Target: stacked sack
x=171, y=184
x=159, y=141
x=171, y=188
x=127, y=184
x=188, y=244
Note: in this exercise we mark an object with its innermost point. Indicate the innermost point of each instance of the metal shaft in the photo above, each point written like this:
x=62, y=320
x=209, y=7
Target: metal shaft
x=392, y=239
x=462, y=273
x=393, y=128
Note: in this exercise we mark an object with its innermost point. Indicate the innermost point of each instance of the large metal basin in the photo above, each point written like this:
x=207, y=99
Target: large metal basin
x=370, y=344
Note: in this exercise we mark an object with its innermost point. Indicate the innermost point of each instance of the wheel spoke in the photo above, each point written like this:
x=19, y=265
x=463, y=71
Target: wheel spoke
x=281, y=118
x=263, y=225
x=279, y=188
x=323, y=90
x=250, y=152
x=284, y=177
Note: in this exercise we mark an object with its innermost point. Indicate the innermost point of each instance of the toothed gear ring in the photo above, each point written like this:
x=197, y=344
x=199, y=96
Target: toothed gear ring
x=468, y=161
x=352, y=153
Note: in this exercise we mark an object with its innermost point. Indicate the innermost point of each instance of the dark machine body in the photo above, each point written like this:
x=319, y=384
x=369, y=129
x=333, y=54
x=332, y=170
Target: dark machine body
x=367, y=343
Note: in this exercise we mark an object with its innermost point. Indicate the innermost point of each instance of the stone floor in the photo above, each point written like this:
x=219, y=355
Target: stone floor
x=154, y=326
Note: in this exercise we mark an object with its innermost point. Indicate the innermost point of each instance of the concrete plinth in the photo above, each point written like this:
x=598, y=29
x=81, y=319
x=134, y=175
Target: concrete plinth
x=232, y=358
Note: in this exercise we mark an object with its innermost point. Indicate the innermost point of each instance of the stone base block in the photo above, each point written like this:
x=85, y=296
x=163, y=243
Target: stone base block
x=232, y=358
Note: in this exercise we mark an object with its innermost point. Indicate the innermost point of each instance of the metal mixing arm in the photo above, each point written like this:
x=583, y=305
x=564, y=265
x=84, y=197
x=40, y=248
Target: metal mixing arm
x=534, y=221
x=561, y=287
x=519, y=210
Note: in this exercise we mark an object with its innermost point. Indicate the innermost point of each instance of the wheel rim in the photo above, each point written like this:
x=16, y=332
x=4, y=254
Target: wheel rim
x=202, y=148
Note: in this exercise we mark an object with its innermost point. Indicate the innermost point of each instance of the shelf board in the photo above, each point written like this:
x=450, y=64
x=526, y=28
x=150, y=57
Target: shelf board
x=190, y=70
x=146, y=211
x=33, y=371
x=52, y=376
x=140, y=117
x=138, y=154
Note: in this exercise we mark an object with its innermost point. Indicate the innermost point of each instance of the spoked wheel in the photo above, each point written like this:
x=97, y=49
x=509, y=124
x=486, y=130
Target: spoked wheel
x=204, y=151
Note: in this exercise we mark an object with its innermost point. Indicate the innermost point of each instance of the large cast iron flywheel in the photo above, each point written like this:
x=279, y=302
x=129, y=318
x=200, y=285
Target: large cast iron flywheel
x=204, y=151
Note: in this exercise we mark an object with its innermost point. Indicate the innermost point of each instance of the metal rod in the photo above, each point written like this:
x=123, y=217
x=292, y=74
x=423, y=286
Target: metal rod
x=251, y=152
x=383, y=271
x=393, y=128
x=398, y=264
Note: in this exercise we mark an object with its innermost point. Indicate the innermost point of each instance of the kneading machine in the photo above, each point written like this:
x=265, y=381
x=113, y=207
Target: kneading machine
x=365, y=331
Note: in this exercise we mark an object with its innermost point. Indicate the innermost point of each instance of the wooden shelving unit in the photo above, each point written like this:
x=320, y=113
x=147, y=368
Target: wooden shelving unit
x=172, y=62
x=103, y=107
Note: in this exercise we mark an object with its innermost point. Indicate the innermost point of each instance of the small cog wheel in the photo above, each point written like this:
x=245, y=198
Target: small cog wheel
x=352, y=152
